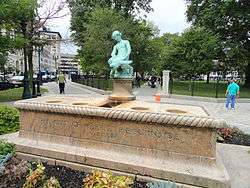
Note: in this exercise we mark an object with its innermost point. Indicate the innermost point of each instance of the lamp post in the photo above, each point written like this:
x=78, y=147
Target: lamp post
x=216, y=68
x=39, y=75
x=26, y=86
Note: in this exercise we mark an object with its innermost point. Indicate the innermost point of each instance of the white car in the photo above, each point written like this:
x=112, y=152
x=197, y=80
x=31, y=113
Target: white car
x=17, y=80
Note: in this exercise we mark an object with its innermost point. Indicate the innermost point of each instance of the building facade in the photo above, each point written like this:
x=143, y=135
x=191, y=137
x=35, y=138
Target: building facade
x=69, y=64
x=49, y=55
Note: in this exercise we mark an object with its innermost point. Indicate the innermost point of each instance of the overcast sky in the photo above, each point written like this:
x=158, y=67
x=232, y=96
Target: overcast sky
x=168, y=15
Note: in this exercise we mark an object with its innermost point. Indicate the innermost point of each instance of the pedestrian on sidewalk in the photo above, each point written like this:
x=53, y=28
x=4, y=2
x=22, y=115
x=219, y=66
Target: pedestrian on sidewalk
x=61, y=80
x=233, y=91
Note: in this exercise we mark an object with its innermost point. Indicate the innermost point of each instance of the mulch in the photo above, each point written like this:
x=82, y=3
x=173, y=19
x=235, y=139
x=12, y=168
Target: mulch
x=238, y=138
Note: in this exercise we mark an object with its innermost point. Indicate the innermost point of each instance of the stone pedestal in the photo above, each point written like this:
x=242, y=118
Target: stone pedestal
x=165, y=86
x=122, y=90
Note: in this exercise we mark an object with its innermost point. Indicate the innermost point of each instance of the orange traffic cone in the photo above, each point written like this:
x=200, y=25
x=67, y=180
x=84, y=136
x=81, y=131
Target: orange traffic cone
x=157, y=97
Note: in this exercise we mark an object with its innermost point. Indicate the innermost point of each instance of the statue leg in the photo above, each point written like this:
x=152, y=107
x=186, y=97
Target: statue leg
x=111, y=75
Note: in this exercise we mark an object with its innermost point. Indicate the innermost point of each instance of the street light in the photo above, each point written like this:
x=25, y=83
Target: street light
x=216, y=66
x=26, y=86
x=39, y=75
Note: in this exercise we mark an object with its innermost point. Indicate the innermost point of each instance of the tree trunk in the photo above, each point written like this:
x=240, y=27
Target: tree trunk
x=208, y=77
x=30, y=64
x=247, y=73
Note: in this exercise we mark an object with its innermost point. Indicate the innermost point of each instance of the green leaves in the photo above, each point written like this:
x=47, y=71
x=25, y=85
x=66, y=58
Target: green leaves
x=191, y=53
x=6, y=148
x=9, y=119
x=97, y=43
x=99, y=179
x=230, y=20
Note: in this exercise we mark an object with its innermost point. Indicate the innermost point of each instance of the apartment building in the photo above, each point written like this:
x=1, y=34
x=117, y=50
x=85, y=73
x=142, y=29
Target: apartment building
x=69, y=64
x=49, y=55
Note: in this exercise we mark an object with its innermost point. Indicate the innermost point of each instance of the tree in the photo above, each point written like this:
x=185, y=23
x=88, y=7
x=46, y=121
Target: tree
x=81, y=9
x=230, y=19
x=24, y=20
x=191, y=54
x=97, y=46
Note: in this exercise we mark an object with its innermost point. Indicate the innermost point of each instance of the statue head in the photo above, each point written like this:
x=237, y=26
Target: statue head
x=117, y=35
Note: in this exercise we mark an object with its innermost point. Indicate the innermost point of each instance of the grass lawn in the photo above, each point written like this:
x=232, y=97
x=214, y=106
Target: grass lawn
x=201, y=88
x=14, y=94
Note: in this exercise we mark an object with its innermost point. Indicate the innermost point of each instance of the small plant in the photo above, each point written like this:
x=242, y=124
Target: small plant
x=167, y=184
x=14, y=170
x=9, y=119
x=36, y=178
x=6, y=148
x=225, y=133
x=52, y=183
x=99, y=179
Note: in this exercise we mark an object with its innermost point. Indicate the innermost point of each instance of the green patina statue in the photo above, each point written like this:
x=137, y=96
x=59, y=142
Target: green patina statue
x=119, y=61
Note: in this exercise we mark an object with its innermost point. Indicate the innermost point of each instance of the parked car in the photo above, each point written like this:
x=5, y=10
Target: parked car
x=17, y=80
x=5, y=84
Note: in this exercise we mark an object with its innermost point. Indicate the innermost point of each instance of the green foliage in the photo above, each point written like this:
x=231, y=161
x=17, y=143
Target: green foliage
x=52, y=183
x=6, y=148
x=81, y=9
x=9, y=119
x=97, y=43
x=14, y=94
x=230, y=20
x=36, y=178
x=98, y=179
x=167, y=184
x=191, y=54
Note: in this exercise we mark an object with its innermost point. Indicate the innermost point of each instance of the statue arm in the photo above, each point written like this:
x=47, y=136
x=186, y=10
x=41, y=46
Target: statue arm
x=114, y=51
x=128, y=49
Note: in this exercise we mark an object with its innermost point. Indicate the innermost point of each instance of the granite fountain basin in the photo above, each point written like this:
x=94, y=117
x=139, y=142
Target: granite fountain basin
x=163, y=141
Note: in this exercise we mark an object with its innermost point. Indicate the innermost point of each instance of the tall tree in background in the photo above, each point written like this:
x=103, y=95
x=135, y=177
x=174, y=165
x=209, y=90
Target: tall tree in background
x=23, y=19
x=80, y=10
x=231, y=20
x=98, y=44
x=94, y=21
x=191, y=54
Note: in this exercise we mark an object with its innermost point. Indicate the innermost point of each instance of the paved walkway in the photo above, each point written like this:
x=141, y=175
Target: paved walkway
x=240, y=118
x=69, y=89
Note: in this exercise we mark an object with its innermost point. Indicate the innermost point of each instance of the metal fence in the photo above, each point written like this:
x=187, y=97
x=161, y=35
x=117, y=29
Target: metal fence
x=214, y=89
x=99, y=82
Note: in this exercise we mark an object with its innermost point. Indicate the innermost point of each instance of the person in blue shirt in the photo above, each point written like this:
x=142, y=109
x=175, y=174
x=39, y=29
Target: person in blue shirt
x=233, y=91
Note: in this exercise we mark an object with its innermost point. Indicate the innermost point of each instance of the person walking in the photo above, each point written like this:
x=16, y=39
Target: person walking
x=232, y=92
x=61, y=80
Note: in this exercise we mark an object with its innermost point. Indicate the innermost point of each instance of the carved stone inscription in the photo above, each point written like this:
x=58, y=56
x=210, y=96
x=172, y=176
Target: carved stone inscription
x=152, y=136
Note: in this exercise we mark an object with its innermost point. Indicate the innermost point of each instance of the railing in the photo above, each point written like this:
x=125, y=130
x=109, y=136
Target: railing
x=99, y=82
x=214, y=89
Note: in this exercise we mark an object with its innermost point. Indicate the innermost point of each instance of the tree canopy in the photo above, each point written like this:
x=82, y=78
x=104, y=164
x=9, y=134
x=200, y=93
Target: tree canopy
x=190, y=54
x=98, y=44
x=230, y=19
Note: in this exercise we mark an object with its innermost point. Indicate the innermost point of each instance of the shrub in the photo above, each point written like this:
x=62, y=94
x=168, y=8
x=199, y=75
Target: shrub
x=99, y=179
x=9, y=119
x=225, y=133
x=52, y=183
x=6, y=148
x=37, y=179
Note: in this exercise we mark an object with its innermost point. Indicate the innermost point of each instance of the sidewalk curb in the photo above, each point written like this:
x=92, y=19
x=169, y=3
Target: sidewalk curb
x=204, y=99
x=99, y=91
